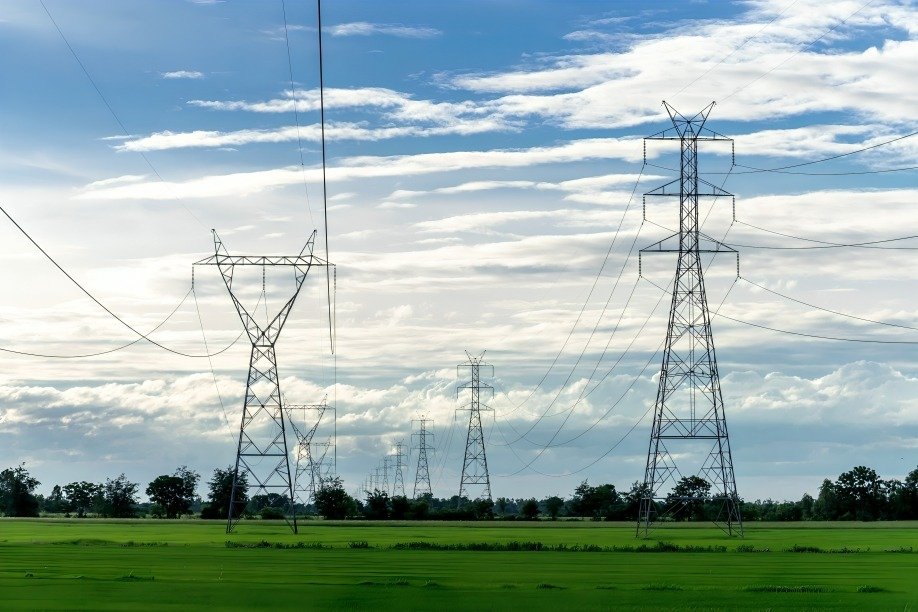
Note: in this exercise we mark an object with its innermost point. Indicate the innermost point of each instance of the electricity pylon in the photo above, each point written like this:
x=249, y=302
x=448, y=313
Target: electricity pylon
x=689, y=404
x=422, y=474
x=306, y=474
x=475, y=461
x=385, y=471
x=262, y=457
x=398, y=480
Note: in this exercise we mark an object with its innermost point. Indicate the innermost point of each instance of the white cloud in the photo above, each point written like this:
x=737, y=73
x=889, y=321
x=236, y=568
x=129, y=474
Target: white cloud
x=624, y=88
x=364, y=167
x=182, y=74
x=363, y=28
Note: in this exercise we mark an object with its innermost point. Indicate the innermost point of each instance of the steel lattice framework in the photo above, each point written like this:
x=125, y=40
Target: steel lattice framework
x=422, y=473
x=262, y=455
x=689, y=404
x=307, y=473
x=398, y=480
x=475, y=460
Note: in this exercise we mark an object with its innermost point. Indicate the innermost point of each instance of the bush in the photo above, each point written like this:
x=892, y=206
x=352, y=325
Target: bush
x=272, y=514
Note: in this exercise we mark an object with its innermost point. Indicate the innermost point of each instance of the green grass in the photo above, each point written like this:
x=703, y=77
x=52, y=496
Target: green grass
x=108, y=565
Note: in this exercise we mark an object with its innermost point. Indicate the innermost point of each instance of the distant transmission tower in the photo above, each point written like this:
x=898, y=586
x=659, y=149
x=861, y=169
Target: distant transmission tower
x=422, y=475
x=689, y=405
x=386, y=466
x=262, y=455
x=307, y=476
x=475, y=462
x=398, y=481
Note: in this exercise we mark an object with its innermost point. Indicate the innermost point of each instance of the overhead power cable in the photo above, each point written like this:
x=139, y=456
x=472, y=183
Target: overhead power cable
x=798, y=51
x=98, y=353
x=737, y=48
x=753, y=170
x=331, y=332
x=829, y=310
x=811, y=335
x=111, y=110
x=871, y=244
x=76, y=283
x=586, y=302
x=296, y=111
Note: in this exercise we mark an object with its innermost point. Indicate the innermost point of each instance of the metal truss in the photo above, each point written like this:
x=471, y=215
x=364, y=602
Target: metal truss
x=475, y=460
x=689, y=404
x=262, y=454
x=307, y=474
x=398, y=479
x=422, y=473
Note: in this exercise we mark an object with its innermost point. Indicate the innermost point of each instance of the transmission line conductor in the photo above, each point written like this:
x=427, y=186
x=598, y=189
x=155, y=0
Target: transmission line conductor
x=689, y=402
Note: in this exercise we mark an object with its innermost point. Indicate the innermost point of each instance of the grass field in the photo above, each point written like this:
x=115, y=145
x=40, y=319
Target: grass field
x=105, y=565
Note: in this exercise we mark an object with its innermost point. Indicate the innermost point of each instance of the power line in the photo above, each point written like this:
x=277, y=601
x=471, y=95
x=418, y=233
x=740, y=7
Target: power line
x=818, y=336
x=105, y=352
x=587, y=300
x=111, y=110
x=741, y=45
x=331, y=333
x=827, y=245
x=829, y=310
x=799, y=51
x=94, y=299
x=753, y=170
x=810, y=335
x=296, y=112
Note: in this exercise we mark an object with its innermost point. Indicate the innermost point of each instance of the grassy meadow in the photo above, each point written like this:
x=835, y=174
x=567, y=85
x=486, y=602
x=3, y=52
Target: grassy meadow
x=187, y=565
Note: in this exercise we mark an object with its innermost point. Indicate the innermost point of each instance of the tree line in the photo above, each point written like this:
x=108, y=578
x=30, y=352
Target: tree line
x=858, y=494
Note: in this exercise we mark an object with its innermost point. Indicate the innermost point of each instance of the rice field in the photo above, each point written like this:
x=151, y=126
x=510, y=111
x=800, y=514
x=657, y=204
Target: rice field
x=187, y=565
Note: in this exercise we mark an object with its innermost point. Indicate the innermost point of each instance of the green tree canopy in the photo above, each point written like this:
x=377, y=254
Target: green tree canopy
x=332, y=501
x=17, y=488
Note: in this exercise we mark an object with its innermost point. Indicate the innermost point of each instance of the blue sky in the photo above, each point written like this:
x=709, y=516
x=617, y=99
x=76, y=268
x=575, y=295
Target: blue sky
x=481, y=157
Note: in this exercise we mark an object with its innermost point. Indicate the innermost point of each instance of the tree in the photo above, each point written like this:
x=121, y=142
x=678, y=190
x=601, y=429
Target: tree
x=220, y=491
x=174, y=493
x=689, y=496
x=501, y=505
x=17, y=488
x=332, y=501
x=906, y=497
x=530, y=509
x=55, y=503
x=82, y=497
x=400, y=507
x=861, y=494
x=377, y=505
x=594, y=502
x=553, y=506
x=119, y=496
x=826, y=506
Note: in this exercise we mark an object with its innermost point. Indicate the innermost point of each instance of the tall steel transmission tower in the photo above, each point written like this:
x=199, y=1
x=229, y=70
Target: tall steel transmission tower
x=689, y=405
x=262, y=456
x=475, y=461
x=422, y=474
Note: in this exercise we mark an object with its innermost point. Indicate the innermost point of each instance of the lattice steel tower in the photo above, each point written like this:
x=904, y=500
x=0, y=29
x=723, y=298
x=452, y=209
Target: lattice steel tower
x=475, y=461
x=307, y=474
x=262, y=454
x=689, y=405
x=422, y=474
x=398, y=480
